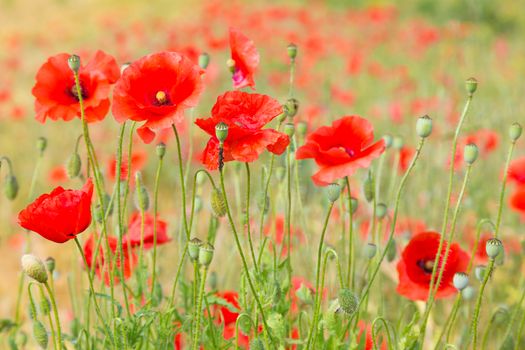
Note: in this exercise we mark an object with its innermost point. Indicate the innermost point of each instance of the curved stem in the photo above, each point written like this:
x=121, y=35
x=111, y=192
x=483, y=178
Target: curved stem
x=476, y=242
x=182, y=184
x=475, y=318
x=385, y=325
x=55, y=313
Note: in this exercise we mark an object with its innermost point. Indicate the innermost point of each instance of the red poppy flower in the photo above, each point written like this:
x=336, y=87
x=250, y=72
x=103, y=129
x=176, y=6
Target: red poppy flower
x=276, y=229
x=157, y=89
x=339, y=150
x=416, y=264
x=517, y=201
x=138, y=160
x=135, y=229
x=516, y=172
x=226, y=315
x=245, y=59
x=101, y=268
x=406, y=154
x=245, y=114
x=487, y=141
x=60, y=215
x=56, y=94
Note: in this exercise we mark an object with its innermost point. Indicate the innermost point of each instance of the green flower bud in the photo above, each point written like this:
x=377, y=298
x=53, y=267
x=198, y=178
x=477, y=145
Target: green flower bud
x=230, y=63
x=291, y=107
x=424, y=126
x=348, y=301
x=256, y=344
x=161, y=150
x=515, y=131
x=218, y=204
x=333, y=192
x=460, y=280
x=479, y=272
x=41, y=144
x=468, y=293
x=302, y=128
x=370, y=250
x=369, y=188
x=355, y=204
x=75, y=327
x=277, y=325
x=73, y=166
x=34, y=268
x=471, y=85
x=470, y=153
x=44, y=306
x=289, y=129
x=381, y=210
x=11, y=187
x=205, y=254
x=74, y=63
x=221, y=131
x=292, y=51
x=388, y=140
x=194, y=246
x=391, y=251
x=141, y=193
x=493, y=247
x=397, y=143
x=40, y=334
x=204, y=60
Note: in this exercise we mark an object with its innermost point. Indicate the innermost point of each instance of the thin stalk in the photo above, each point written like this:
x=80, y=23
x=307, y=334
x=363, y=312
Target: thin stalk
x=155, y=211
x=247, y=218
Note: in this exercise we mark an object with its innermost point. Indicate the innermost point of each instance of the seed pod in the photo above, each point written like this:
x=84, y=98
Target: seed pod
x=41, y=144
x=424, y=126
x=289, y=129
x=348, y=301
x=40, y=334
x=515, y=131
x=221, y=131
x=388, y=140
x=291, y=107
x=204, y=60
x=470, y=153
x=460, y=280
x=218, y=204
x=11, y=187
x=369, y=188
x=333, y=192
x=479, y=272
x=370, y=250
x=468, y=293
x=493, y=247
x=471, y=85
x=397, y=143
x=161, y=150
x=381, y=210
x=206, y=254
x=193, y=248
x=74, y=63
x=50, y=264
x=292, y=51
x=73, y=166
x=34, y=268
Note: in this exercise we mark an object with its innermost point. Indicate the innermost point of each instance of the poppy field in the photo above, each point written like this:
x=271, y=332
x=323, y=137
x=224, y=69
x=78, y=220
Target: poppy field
x=258, y=175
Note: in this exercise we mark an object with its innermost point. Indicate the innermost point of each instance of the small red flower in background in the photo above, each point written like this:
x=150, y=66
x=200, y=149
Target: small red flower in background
x=276, y=229
x=516, y=172
x=101, y=268
x=138, y=160
x=487, y=141
x=56, y=94
x=135, y=228
x=245, y=59
x=60, y=215
x=406, y=154
x=517, y=201
x=57, y=174
x=340, y=149
x=416, y=264
x=157, y=89
x=223, y=313
x=245, y=114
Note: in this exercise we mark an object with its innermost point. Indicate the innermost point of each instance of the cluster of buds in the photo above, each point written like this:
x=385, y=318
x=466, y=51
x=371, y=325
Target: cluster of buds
x=200, y=252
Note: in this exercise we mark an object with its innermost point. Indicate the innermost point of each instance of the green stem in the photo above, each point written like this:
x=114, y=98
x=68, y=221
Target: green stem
x=155, y=211
x=182, y=185
x=199, y=309
x=55, y=313
x=476, y=242
x=475, y=318
x=247, y=218
x=387, y=330
x=503, y=185
x=351, y=270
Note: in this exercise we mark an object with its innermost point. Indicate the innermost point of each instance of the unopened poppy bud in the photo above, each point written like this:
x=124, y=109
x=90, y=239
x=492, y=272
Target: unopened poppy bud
x=41, y=144
x=256, y=344
x=280, y=172
x=355, y=204
x=302, y=128
x=391, y=251
x=277, y=324
x=460, y=280
x=50, y=264
x=74, y=63
x=34, y=268
x=218, y=204
x=141, y=193
x=44, y=306
x=221, y=131
x=40, y=334
x=333, y=192
x=281, y=117
x=10, y=187
x=397, y=143
x=193, y=248
x=424, y=126
x=515, y=131
x=291, y=107
x=230, y=63
x=493, y=247
x=205, y=254
x=198, y=203
x=289, y=129
x=201, y=176
x=479, y=272
x=161, y=150
x=204, y=60
x=471, y=85
x=369, y=188
x=470, y=153
x=370, y=250
x=348, y=301
x=468, y=293
x=381, y=210
x=292, y=51
x=388, y=140
x=74, y=164
x=124, y=66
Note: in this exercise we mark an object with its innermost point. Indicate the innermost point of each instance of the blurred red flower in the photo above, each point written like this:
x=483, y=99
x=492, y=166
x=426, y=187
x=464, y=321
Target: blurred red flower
x=138, y=160
x=245, y=59
x=157, y=89
x=60, y=215
x=56, y=94
x=340, y=149
x=132, y=237
x=223, y=313
x=516, y=172
x=416, y=264
x=245, y=114
x=517, y=201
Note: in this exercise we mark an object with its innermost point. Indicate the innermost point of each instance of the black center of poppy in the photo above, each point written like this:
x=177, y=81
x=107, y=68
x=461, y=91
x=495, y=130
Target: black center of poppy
x=74, y=93
x=426, y=265
x=349, y=151
x=161, y=98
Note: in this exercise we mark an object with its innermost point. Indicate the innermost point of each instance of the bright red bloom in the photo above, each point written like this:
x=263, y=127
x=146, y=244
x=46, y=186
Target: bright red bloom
x=60, y=215
x=245, y=114
x=416, y=264
x=516, y=172
x=56, y=94
x=245, y=58
x=101, y=268
x=135, y=227
x=406, y=153
x=276, y=229
x=157, y=89
x=340, y=149
x=517, y=201
x=227, y=316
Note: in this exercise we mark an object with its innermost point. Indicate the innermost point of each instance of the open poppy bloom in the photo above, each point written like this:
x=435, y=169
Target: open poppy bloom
x=60, y=215
x=245, y=114
x=516, y=172
x=340, y=149
x=223, y=313
x=157, y=89
x=56, y=93
x=135, y=228
x=417, y=262
x=245, y=59
x=101, y=268
x=138, y=160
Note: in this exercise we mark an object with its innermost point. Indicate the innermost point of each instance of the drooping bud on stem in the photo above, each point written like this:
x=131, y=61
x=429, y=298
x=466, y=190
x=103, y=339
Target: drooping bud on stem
x=218, y=204
x=73, y=166
x=34, y=268
x=348, y=301
x=141, y=193
x=369, y=187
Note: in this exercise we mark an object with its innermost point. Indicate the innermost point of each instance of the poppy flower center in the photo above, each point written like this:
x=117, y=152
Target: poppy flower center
x=161, y=98
x=348, y=151
x=426, y=265
x=73, y=92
